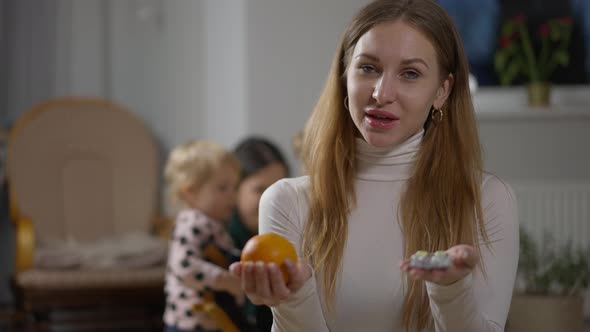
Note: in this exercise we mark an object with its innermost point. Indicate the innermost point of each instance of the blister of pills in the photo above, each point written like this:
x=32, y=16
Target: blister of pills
x=430, y=261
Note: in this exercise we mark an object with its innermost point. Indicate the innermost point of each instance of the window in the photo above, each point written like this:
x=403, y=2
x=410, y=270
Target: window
x=479, y=23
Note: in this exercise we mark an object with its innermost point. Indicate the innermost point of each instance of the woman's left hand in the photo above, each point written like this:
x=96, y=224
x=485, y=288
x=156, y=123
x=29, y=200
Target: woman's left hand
x=464, y=259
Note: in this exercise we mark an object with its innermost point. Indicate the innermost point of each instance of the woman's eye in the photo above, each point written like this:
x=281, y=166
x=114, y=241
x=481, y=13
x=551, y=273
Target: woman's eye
x=368, y=69
x=410, y=74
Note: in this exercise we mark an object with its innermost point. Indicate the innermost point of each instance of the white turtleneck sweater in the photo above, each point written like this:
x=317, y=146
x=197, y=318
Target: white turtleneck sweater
x=369, y=294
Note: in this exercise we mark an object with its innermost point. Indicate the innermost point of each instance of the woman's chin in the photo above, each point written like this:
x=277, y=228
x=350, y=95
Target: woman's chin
x=380, y=140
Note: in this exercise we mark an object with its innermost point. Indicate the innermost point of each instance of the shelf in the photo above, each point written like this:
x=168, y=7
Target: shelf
x=553, y=114
x=569, y=103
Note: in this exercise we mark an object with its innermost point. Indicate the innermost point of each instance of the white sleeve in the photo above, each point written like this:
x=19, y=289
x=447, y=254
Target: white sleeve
x=279, y=214
x=477, y=303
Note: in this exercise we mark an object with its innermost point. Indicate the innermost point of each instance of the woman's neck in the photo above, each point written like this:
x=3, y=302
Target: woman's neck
x=387, y=163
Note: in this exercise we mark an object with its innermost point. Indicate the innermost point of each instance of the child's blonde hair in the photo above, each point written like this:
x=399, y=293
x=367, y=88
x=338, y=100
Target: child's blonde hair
x=297, y=143
x=192, y=165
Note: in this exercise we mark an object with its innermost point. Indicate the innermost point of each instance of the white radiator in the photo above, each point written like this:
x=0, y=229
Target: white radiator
x=560, y=211
x=555, y=214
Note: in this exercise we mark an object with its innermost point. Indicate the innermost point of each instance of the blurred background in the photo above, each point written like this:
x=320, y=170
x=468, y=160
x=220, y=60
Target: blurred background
x=225, y=69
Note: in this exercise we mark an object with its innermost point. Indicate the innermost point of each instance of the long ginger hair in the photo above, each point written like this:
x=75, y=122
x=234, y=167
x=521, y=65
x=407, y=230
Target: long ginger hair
x=441, y=206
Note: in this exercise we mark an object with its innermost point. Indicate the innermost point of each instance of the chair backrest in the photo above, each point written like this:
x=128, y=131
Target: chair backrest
x=83, y=168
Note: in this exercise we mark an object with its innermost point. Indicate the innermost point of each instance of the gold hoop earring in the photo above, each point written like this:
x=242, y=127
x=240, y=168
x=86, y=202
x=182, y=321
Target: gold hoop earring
x=346, y=103
x=437, y=115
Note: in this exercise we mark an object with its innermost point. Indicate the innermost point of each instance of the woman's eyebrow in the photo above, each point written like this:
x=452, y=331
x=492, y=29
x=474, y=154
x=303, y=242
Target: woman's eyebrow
x=368, y=56
x=414, y=60
x=404, y=62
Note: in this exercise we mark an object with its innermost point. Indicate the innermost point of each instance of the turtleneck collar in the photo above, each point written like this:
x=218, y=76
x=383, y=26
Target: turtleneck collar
x=387, y=163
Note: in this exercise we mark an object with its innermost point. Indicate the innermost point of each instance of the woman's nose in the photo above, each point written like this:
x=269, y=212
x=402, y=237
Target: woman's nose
x=384, y=92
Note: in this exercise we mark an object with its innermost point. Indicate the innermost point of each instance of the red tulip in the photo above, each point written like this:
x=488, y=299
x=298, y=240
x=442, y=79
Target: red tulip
x=519, y=19
x=505, y=42
x=544, y=30
x=566, y=20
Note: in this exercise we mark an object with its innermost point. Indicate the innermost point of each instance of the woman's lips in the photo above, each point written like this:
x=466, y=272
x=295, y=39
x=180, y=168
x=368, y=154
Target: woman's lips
x=379, y=119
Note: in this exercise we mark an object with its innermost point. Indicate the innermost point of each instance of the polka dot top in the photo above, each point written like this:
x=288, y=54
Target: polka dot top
x=190, y=275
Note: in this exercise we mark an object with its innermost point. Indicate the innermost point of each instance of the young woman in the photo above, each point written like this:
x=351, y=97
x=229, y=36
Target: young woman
x=262, y=165
x=394, y=163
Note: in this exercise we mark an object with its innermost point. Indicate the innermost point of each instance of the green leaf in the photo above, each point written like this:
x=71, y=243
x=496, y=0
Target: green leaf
x=502, y=57
x=562, y=269
x=555, y=31
x=513, y=69
x=508, y=29
x=500, y=60
x=562, y=58
x=512, y=48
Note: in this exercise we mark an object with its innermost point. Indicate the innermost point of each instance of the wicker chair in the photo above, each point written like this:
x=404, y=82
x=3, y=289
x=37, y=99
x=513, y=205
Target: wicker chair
x=83, y=169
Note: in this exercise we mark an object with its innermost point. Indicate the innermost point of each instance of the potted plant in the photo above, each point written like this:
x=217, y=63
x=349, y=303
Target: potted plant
x=517, y=55
x=550, y=285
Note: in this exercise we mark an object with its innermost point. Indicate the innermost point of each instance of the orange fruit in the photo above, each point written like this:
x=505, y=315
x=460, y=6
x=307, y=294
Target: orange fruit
x=269, y=248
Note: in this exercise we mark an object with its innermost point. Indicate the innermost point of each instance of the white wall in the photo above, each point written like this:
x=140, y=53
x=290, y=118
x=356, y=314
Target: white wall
x=226, y=82
x=536, y=145
x=290, y=48
x=218, y=69
x=157, y=65
x=544, y=149
x=148, y=55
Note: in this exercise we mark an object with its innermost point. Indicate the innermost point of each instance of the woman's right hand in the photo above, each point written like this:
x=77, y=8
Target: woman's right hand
x=264, y=283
